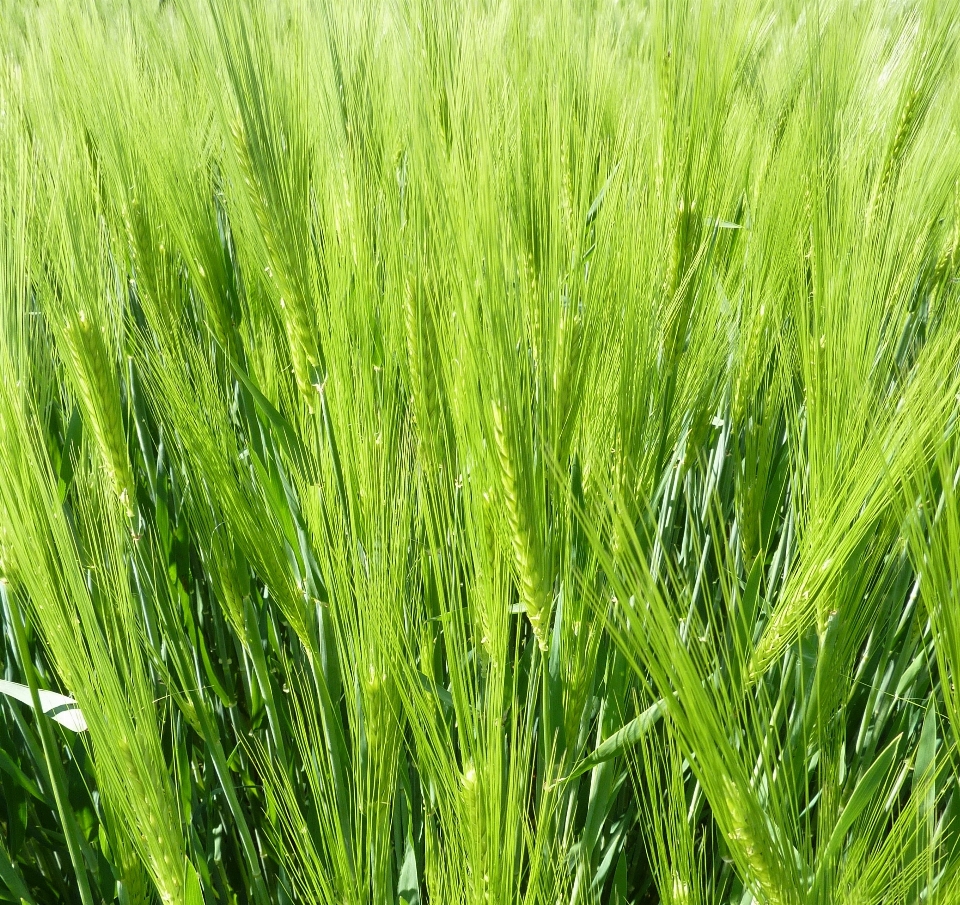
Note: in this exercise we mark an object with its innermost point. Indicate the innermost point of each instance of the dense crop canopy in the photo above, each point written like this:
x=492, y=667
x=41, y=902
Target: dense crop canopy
x=479, y=451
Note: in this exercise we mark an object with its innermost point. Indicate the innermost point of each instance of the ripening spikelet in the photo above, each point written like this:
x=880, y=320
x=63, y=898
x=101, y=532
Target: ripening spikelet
x=485, y=587
x=949, y=258
x=416, y=325
x=157, y=849
x=412, y=328
x=300, y=341
x=8, y=572
x=780, y=127
x=566, y=198
x=897, y=148
x=215, y=305
x=146, y=265
x=533, y=585
x=678, y=235
x=295, y=311
x=561, y=357
x=229, y=575
x=955, y=238
x=136, y=882
x=99, y=390
x=373, y=699
x=472, y=816
x=529, y=297
x=745, y=834
x=680, y=893
x=566, y=360
x=426, y=383
x=468, y=783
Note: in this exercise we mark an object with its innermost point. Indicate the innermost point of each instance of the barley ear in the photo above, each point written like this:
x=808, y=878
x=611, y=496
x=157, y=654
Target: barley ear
x=98, y=389
x=526, y=553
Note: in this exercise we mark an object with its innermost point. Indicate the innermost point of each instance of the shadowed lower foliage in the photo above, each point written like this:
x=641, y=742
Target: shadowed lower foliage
x=479, y=451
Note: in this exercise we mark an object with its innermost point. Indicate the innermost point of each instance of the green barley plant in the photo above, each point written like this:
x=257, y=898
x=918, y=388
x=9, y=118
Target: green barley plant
x=479, y=452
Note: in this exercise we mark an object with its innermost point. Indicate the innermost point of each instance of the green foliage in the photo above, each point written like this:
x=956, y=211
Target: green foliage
x=480, y=451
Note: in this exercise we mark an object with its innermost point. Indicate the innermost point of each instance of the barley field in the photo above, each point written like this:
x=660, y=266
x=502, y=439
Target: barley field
x=475, y=452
